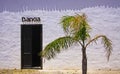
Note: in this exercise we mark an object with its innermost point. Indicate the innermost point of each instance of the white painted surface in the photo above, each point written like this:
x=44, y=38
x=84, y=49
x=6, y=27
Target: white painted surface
x=103, y=21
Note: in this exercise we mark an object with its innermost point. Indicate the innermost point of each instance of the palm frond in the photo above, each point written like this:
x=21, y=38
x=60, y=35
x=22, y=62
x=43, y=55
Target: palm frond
x=55, y=47
x=71, y=24
x=76, y=26
x=83, y=32
x=66, y=21
x=107, y=44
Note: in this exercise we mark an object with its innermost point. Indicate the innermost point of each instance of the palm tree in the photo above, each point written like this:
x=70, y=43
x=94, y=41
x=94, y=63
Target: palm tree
x=76, y=30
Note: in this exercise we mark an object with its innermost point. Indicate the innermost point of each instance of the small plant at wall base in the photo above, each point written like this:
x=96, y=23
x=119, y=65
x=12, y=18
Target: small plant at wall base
x=77, y=30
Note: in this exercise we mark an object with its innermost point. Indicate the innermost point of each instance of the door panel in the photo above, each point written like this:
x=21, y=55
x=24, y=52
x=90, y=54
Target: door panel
x=36, y=46
x=31, y=45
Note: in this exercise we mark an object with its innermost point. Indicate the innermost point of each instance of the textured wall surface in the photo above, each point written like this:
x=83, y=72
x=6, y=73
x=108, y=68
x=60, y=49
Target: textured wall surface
x=103, y=21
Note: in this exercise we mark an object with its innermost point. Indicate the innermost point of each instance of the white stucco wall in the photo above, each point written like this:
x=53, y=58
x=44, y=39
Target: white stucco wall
x=103, y=21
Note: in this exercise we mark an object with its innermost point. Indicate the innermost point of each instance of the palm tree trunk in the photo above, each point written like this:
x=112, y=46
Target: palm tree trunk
x=84, y=61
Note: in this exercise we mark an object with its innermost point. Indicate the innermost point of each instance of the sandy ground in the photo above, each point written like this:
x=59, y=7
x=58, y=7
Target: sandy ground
x=58, y=71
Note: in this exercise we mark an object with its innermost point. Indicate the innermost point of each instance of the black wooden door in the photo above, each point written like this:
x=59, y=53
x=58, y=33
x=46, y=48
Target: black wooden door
x=31, y=45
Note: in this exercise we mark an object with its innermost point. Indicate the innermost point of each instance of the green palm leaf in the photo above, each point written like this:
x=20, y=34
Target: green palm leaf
x=55, y=47
x=72, y=24
x=76, y=26
x=106, y=42
x=108, y=46
x=66, y=21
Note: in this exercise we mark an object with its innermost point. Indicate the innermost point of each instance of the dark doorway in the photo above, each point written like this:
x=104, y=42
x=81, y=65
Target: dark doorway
x=31, y=45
